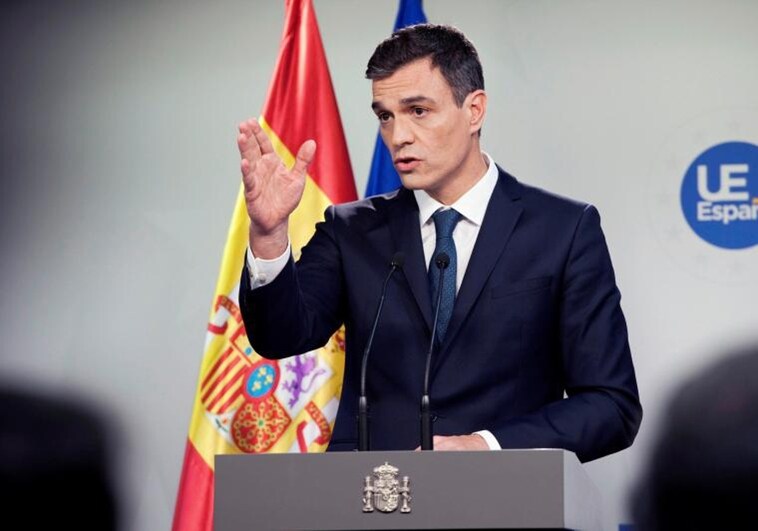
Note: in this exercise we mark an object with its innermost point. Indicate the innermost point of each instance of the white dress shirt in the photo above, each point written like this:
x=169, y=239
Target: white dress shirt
x=472, y=205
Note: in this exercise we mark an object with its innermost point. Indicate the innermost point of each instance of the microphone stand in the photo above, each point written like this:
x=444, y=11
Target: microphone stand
x=363, y=427
x=442, y=261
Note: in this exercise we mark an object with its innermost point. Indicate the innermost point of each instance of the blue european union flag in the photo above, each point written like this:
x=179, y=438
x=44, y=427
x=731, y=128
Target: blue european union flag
x=383, y=177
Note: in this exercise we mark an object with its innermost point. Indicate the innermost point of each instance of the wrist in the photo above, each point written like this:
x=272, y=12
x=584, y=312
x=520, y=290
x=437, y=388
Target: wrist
x=268, y=244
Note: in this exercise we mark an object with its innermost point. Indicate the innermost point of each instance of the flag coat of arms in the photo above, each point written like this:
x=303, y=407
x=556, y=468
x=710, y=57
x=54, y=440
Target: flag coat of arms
x=244, y=403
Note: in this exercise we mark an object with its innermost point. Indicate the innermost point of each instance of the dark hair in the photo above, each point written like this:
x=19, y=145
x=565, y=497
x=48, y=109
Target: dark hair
x=446, y=46
x=703, y=469
x=58, y=451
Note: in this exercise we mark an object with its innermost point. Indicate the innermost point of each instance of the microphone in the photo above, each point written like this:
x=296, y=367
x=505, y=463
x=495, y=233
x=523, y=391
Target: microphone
x=441, y=261
x=363, y=437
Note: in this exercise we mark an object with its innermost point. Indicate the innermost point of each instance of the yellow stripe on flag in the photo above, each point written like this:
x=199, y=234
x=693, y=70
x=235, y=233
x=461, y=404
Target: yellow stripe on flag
x=311, y=208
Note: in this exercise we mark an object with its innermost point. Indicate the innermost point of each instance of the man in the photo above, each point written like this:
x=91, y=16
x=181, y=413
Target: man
x=534, y=311
x=702, y=471
x=56, y=454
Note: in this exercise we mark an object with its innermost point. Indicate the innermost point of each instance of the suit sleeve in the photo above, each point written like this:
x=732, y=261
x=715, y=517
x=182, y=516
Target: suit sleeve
x=602, y=412
x=303, y=306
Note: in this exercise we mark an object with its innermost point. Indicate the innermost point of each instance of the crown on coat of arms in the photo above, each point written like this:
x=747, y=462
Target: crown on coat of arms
x=386, y=470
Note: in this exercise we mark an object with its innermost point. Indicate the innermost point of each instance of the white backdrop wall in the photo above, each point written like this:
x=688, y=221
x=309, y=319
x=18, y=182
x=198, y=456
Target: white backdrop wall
x=119, y=172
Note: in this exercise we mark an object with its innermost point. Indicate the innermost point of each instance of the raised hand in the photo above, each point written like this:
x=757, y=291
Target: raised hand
x=272, y=192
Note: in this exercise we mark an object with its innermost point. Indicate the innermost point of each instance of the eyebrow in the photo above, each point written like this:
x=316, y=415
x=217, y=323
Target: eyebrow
x=375, y=105
x=416, y=99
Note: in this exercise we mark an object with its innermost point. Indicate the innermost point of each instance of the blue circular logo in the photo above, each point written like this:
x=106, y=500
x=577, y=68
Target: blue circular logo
x=720, y=195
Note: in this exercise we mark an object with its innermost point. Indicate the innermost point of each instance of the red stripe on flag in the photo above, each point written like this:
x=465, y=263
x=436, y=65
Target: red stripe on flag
x=301, y=437
x=228, y=370
x=231, y=401
x=301, y=105
x=218, y=330
x=237, y=380
x=215, y=367
x=194, y=499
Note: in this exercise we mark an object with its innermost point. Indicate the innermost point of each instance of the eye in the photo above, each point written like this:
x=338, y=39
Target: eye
x=419, y=111
x=383, y=116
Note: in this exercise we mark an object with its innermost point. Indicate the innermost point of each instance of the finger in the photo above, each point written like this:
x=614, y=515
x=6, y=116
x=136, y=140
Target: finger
x=449, y=443
x=247, y=142
x=254, y=174
x=245, y=168
x=439, y=439
x=248, y=147
x=261, y=137
x=250, y=181
x=441, y=443
x=304, y=157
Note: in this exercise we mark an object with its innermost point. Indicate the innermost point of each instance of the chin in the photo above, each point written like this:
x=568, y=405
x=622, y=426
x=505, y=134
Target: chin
x=412, y=181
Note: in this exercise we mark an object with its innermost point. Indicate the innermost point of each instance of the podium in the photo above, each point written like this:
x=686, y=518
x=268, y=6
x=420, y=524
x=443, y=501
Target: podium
x=506, y=489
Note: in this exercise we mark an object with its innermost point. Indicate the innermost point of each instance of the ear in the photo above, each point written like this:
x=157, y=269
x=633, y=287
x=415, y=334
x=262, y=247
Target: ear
x=476, y=104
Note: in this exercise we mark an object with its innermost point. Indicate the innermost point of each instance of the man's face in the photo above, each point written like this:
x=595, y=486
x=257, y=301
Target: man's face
x=431, y=139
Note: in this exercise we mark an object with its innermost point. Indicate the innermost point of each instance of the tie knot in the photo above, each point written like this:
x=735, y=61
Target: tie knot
x=445, y=221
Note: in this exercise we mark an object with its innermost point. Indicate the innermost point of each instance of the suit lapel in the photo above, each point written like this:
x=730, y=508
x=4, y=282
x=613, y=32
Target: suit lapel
x=404, y=225
x=500, y=218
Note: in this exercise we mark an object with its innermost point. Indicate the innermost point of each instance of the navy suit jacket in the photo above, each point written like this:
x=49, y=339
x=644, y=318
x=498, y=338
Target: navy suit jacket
x=537, y=315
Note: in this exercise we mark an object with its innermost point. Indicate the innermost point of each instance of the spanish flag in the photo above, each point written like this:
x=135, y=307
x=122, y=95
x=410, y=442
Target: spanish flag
x=244, y=403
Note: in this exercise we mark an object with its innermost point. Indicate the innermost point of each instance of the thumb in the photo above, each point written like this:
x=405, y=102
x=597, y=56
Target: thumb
x=304, y=156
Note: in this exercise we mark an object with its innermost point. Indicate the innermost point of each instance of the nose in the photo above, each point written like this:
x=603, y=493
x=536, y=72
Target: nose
x=402, y=133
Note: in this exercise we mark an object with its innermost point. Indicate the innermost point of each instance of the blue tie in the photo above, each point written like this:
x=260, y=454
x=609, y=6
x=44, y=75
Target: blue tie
x=444, y=224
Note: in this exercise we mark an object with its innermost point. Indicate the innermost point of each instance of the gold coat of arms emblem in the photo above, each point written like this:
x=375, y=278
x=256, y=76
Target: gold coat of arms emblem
x=384, y=492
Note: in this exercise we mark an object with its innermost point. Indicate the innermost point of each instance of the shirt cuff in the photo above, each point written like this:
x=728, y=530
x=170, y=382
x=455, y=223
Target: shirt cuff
x=264, y=271
x=489, y=439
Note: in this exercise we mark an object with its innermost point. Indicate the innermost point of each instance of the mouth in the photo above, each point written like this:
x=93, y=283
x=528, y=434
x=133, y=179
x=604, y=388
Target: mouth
x=406, y=164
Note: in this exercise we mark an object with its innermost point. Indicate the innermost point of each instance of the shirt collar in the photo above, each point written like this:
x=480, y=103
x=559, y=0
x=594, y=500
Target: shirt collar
x=471, y=205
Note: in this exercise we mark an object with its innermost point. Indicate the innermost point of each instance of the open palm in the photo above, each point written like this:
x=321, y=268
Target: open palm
x=272, y=192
